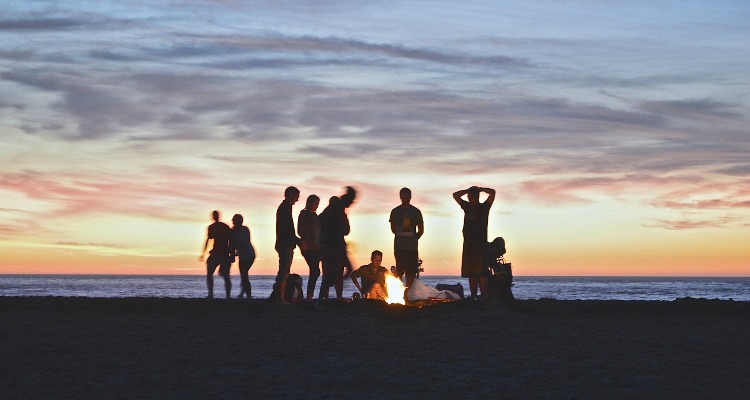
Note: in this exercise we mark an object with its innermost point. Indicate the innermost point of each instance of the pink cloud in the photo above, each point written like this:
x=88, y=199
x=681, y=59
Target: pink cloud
x=684, y=224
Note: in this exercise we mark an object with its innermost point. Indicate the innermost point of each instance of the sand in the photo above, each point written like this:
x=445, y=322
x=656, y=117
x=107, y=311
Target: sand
x=193, y=348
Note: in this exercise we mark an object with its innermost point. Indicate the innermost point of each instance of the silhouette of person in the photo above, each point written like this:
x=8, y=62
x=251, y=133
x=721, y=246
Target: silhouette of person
x=373, y=278
x=219, y=256
x=308, y=228
x=334, y=225
x=407, y=226
x=286, y=238
x=476, y=217
x=242, y=247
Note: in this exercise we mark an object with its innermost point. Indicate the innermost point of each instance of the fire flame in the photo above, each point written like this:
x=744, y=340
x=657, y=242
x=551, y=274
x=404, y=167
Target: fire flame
x=395, y=290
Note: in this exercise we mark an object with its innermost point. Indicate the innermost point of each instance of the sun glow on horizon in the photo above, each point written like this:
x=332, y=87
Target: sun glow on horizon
x=608, y=158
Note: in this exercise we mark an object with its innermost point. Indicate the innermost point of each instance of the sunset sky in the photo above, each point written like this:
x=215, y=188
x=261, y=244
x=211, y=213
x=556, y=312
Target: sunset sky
x=616, y=133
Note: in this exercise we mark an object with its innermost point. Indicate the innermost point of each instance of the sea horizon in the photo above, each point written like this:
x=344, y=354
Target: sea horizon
x=654, y=288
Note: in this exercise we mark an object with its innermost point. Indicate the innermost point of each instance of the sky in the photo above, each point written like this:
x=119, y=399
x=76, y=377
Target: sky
x=616, y=133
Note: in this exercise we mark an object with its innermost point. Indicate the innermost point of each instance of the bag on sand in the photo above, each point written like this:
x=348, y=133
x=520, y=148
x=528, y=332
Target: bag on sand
x=457, y=288
x=500, y=279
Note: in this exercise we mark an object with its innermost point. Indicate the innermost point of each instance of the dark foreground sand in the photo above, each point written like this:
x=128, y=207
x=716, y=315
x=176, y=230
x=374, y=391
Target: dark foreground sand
x=190, y=348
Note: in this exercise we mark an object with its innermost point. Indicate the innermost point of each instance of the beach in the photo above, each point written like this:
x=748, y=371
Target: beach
x=77, y=347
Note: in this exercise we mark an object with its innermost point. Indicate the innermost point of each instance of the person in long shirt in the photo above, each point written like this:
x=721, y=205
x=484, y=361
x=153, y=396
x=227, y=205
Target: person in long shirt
x=476, y=217
x=219, y=256
x=286, y=239
x=334, y=225
x=308, y=228
x=242, y=247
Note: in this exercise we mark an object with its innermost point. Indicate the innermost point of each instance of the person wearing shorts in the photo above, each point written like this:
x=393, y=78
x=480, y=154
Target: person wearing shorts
x=407, y=227
x=219, y=256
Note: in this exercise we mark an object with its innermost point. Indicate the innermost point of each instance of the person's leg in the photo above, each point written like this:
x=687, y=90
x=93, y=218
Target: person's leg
x=211, y=264
x=341, y=262
x=483, y=286
x=285, y=264
x=312, y=257
x=325, y=282
x=339, y=282
x=210, y=284
x=244, y=280
x=226, y=264
x=377, y=292
x=473, y=280
x=411, y=261
x=410, y=279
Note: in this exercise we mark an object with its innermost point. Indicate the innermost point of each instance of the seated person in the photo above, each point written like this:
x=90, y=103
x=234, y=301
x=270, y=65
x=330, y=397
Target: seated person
x=373, y=278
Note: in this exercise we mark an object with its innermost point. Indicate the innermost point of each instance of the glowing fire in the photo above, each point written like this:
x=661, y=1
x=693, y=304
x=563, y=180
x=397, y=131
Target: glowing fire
x=395, y=289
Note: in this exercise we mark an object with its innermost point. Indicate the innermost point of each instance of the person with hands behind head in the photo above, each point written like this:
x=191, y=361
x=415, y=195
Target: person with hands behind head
x=476, y=218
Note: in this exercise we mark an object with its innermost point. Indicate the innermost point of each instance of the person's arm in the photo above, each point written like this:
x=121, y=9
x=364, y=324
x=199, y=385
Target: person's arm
x=393, y=223
x=457, y=195
x=304, y=230
x=205, y=247
x=233, y=245
x=289, y=231
x=346, y=227
x=491, y=193
x=354, y=277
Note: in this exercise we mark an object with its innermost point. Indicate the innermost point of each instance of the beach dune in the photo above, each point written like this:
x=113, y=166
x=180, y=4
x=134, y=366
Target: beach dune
x=195, y=348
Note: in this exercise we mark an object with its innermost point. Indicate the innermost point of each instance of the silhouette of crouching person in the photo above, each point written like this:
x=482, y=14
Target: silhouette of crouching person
x=373, y=278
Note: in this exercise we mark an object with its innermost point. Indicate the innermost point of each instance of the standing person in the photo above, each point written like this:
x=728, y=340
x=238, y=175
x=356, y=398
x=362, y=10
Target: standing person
x=334, y=225
x=407, y=226
x=308, y=228
x=286, y=239
x=219, y=256
x=242, y=247
x=476, y=217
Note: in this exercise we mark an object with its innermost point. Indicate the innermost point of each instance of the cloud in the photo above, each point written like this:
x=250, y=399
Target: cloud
x=40, y=24
x=691, y=109
x=695, y=223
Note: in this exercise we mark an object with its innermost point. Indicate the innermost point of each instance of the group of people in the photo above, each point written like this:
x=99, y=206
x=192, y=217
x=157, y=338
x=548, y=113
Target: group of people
x=321, y=239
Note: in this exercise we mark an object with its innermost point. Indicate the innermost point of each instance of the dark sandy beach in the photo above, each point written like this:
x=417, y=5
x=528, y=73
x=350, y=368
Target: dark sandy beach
x=192, y=348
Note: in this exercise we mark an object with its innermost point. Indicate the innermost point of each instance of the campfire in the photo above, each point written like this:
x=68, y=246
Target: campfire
x=395, y=289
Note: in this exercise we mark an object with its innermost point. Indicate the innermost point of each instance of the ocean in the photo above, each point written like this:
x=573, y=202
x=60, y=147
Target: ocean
x=560, y=288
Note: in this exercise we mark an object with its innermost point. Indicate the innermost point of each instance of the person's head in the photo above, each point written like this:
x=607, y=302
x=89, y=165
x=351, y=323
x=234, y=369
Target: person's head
x=237, y=220
x=376, y=258
x=312, y=203
x=405, y=195
x=291, y=194
x=348, y=198
x=473, y=195
x=215, y=215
